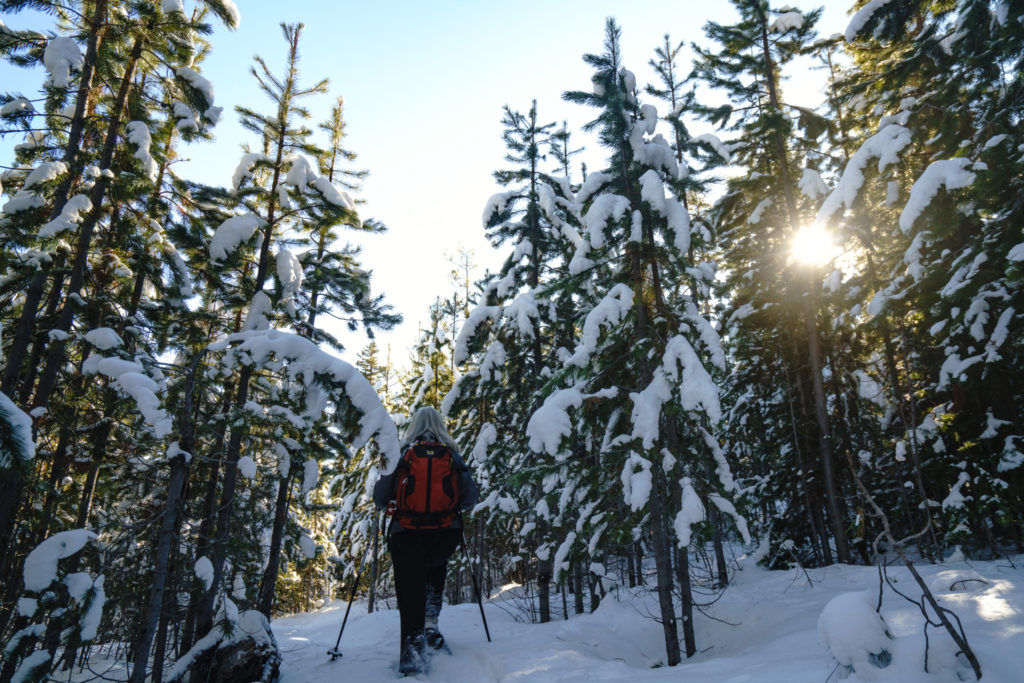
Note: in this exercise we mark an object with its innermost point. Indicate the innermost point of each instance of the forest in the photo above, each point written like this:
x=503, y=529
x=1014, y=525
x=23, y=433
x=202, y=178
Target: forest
x=793, y=337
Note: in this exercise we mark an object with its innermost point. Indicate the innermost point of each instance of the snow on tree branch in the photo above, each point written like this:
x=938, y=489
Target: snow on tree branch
x=609, y=312
x=138, y=135
x=862, y=17
x=306, y=362
x=15, y=434
x=60, y=58
x=886, y=145
x=951, y=173
x=232, y=233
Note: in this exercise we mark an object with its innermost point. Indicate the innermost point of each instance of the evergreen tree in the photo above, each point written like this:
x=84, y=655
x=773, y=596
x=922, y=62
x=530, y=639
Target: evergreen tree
x=758, y=219
x=430, y=376
x=940, y=255
x=512, y=350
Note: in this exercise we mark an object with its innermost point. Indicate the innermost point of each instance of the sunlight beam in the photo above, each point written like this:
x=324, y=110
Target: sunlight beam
x=813, y=245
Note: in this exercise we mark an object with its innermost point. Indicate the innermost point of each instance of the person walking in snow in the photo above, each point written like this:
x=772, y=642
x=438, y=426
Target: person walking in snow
x=425, y=496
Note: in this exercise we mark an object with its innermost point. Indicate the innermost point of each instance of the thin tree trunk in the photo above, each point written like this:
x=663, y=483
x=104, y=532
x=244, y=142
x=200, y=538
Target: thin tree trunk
x=716, y=542
x=169, y=610
x=813, y=491
x=631, y=572
x=824, y=434
x=204, y=538
x=819, y=538
x=204, y=613
x=682, y=565
x=168, y=537
x=660, y=539
x=686, y=593
x=577, y=581
x=28, y=380
x=268, y=583
x=58, y=470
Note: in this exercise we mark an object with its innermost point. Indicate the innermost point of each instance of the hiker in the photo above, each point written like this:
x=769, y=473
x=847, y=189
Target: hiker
x=425, y=494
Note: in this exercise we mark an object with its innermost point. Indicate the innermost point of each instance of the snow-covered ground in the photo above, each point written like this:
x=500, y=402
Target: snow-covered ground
x=764, y=629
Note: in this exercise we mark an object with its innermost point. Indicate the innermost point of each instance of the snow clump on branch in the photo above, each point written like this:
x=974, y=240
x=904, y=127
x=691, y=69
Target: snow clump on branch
x=60, y=58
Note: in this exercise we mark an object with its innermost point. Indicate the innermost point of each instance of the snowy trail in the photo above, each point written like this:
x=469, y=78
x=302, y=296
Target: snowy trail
x=767, y=632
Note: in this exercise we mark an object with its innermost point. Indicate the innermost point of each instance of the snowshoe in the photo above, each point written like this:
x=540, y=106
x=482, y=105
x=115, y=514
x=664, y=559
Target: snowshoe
x=412, y=659
x=435, y=641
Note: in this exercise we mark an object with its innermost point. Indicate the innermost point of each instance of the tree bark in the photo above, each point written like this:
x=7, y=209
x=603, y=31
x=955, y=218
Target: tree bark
x=268, y=583
x=686, y=593
x=660, y=539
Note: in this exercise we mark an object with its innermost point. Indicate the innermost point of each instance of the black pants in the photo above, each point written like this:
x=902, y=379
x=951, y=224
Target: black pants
x=420, y=561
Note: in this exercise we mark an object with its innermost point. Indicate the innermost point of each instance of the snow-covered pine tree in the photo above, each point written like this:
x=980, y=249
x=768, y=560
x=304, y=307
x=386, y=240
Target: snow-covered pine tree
x=430, y=375
x=509, y=340
x=59, y=602
x=773, y=326
x=332, y=274
x=637, y=380
x=115, y=165
x=939, y=226
x=283, y=200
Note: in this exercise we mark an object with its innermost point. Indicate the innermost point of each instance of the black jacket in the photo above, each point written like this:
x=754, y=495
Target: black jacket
x=384, y=489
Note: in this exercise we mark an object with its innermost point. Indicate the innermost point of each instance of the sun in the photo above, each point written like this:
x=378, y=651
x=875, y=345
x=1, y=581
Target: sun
x=813, y=245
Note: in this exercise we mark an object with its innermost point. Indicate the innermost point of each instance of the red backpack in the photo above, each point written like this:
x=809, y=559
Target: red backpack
x=426, y=487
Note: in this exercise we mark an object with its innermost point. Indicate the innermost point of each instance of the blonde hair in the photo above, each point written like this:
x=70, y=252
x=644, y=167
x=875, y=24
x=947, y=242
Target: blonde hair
x=427, y=419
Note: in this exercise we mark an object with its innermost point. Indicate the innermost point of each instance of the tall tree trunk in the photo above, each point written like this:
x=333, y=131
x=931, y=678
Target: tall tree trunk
x=169, y=534
x=716, y=541
x=682, y=565
x=819, y=537
x=545, y=567
x=810, y=472
x=28, y=379
x=204, y=537
x=204, y=613
x=577, y=587
x=686, y=598
x=55, y=356
x=824, y=434
x=631, y=570
x=810, y=324
x=166, y=614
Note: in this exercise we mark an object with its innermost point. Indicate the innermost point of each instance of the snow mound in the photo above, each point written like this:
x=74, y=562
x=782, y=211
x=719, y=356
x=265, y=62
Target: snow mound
x=854, y=633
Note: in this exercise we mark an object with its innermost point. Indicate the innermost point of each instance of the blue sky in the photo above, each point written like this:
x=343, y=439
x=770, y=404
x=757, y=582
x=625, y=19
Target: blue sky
x=424, y=85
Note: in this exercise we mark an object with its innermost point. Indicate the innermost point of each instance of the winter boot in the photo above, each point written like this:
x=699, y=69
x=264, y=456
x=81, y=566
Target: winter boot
x=433, y=637
x=412, y=659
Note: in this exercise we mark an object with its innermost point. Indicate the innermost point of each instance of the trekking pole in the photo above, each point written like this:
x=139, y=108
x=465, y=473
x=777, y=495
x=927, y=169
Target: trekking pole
x=335, y=652
x=476, y=585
